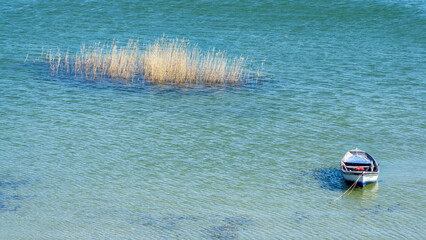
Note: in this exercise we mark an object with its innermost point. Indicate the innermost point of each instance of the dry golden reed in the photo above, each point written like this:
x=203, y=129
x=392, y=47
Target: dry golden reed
x=161, y=62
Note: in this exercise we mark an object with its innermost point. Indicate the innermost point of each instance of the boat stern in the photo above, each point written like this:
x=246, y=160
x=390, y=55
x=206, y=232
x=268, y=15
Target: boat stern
x=361, y=178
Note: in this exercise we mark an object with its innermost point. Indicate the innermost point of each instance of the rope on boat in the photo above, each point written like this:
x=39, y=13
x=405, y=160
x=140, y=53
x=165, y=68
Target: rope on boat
x=350, y=188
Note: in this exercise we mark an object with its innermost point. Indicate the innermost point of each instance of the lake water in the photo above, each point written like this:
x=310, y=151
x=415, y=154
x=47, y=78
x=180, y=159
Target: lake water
x=84, y=160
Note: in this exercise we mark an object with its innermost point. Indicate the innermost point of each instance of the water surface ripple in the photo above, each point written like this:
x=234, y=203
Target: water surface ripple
x=90, y=160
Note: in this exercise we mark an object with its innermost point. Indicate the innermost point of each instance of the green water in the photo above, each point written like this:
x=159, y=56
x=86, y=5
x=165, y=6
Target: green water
x=85, y=160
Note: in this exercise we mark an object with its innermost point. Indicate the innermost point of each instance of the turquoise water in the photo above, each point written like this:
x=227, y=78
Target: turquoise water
x=84, y=160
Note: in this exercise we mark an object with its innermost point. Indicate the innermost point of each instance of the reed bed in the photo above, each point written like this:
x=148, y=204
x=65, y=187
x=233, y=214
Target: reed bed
x=164, y=61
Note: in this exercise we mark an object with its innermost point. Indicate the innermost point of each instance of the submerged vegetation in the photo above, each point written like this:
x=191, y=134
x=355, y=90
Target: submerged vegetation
x=164, y=61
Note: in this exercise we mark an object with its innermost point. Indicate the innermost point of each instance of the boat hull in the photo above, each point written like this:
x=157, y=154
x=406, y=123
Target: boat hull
x=352, y=177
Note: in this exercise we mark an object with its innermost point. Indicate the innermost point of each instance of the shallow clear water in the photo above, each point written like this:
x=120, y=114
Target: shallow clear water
x=84, y=160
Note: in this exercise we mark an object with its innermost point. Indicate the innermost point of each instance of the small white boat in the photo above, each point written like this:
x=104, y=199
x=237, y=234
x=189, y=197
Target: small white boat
x=360, y=167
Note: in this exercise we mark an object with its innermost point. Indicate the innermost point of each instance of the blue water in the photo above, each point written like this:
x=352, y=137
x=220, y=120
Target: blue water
x=85, y=160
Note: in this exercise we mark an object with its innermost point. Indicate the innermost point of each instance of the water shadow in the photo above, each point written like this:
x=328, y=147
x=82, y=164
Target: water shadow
x=330, y=179
x=9, y=200
x=211, y=227
x=160, y=222
x=228, y=229
x=300, y=216
x=139, y=84
x=379, y=209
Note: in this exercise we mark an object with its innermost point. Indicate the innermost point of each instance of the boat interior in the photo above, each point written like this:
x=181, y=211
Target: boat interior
x=359, y=161
x=360, y=167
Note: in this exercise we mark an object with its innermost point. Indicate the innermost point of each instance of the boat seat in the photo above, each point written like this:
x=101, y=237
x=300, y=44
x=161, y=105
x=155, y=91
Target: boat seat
x=352, y=168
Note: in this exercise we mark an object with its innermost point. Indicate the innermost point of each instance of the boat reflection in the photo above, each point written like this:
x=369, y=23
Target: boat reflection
x=366, y=193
